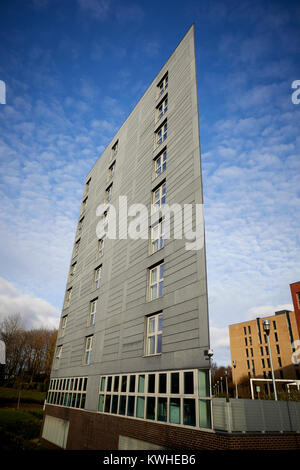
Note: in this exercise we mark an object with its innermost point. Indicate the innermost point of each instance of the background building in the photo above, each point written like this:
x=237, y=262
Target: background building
x=133, y=338
x=249, y=348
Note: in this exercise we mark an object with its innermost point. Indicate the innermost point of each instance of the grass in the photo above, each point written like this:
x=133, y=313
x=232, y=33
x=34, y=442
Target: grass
x=19, y=429
x=10, y=395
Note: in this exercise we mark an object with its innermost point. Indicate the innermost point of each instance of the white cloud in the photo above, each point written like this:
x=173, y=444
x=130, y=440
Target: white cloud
x=35, y=312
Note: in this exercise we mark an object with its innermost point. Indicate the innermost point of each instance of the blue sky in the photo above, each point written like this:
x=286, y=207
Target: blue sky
x=74, y=69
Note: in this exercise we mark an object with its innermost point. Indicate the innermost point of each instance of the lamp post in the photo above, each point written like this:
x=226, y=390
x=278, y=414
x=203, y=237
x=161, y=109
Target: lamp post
x=236, y=386
x=266, y=327
x=221, y=384
x=226, y=374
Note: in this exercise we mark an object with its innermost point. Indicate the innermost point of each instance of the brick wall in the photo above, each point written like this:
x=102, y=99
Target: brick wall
x=93, y=431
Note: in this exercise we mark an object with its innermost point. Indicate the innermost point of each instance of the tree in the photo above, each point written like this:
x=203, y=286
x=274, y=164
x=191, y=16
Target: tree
x=29, y=353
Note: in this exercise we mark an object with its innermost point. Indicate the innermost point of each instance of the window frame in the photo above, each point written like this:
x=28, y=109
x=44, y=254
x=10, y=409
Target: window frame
x=158, y=318
x=161, y=133
x=157, y=204
x=97, y=279
x=88, y=350
x=158, y=283
x=92, y=312
x=159, y=169
x=158, y=227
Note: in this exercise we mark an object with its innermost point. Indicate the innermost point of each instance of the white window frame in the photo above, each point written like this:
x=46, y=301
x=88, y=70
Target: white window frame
x=114, y=150
x=63, y=325
x=153, y=331
x=111, y=171
x=100, y=250
x=80, y=225
x=156, y=281
x=83, y=205
x=162, y=108
x=160, y=163
x=159, y=196
x=161, y=134
x=108, y=193
x=58, y=356
x=88, y=349
x=157, y=236
x=68, y=297
x=73, y=268
x=87, y=186
x=163, y=85
x=76, y=247
x=93, y=311
x=97, y=277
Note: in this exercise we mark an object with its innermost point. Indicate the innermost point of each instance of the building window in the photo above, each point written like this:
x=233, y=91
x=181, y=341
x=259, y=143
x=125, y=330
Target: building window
x=160, y=163
x=276, y=336
x=245, y=330
x=97, y=277
x=83, y=205
x=105, y=219
x=251, y=350
x=157, y=236
x=68, y=297
x=248, y=364
x=111, y=171
x=246, y=341
x=154, y=334
x=267, y=350
x=247, y=353
x=161, y=109
x=93, y=309
x=63, y=325
x=69, y=392
x=80, y=225
x=108, y=193
x=76, y=247
x=101, y=247
x=114, y=150
x=274, y=324
x=57, y=357
x=263, y=363
x=163, y=85
x=269, y=363
x=261, y=351
x=250, y=340
x=161, y=134
x=249, y=329
x=87, y=186
x=73, y=268
x=88, y=350
x=277, y=348
x=279, y=362
x=159, y=196
x=159, y=396
x=156, y=283
x=265, y=337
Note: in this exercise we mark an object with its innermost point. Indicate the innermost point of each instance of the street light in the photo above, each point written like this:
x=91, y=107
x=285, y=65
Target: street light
x=226, y=373
x=266, y=327
x=236, y=386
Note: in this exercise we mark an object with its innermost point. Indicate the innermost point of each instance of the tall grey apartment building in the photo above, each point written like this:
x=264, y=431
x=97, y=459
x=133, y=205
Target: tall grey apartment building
x=131, y=368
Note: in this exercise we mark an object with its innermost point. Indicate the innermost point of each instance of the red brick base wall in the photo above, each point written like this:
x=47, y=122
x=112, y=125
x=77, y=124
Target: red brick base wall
x=95, y=431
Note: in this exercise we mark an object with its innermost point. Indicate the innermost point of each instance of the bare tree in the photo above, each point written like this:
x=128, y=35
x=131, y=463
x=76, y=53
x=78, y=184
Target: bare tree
x=29, y=353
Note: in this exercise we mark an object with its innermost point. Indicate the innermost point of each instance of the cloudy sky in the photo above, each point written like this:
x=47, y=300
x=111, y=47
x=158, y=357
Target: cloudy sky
x=74, y=69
